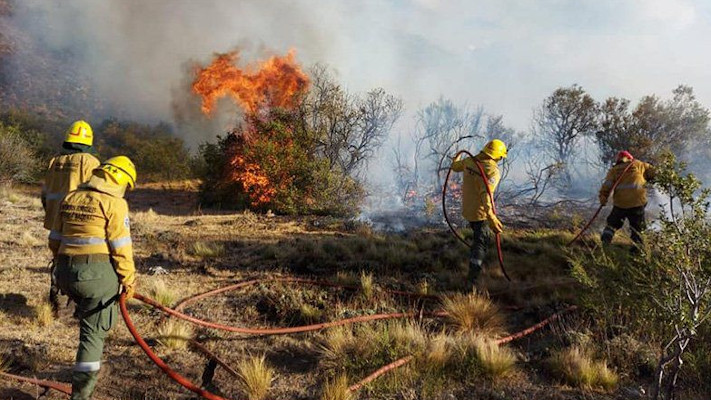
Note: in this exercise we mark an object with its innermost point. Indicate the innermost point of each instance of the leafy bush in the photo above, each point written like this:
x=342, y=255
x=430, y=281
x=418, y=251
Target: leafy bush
x=271, y=163
x=18, y=160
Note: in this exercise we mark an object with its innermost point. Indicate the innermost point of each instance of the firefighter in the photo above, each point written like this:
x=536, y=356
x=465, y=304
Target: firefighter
x=629, y=198
x=66, y=171
x=94, y=260
x=476, y=204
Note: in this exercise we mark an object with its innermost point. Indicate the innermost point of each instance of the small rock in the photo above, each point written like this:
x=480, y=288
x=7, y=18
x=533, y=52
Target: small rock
x=270, y=214
x=157, y=270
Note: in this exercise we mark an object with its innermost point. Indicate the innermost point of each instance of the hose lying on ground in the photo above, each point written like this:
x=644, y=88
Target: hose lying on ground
x=493, y=207
x=211, y=396
x=504, y=340
x=617, y=182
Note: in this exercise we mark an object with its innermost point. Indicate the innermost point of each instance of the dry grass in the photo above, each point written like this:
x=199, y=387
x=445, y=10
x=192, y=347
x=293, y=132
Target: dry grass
x=409, y=336
x=346, y=278
x=28, y=240
x=473, y=313
x=367, y=285
x=43, y=314
x=336, y=346
x=310, y=313
x=439, y=351
x=336, y=389
x=174, y=334
x=158, y=291
x=495, y=361
x=255, y=377
x=576, y=367
x=206, y=249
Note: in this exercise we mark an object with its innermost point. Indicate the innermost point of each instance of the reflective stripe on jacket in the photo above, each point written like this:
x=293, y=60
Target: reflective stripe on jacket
x=631, y=191
x=65, y=173
x=476, y=205
x=95, y=221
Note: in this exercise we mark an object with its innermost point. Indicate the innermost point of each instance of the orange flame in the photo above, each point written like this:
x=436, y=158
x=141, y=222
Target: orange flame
x=274, y=82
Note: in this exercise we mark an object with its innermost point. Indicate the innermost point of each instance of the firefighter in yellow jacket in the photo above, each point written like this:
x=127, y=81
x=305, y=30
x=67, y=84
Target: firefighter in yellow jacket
x=94, y=259
x=65, y=173
x=629, y=198
x=476, y=204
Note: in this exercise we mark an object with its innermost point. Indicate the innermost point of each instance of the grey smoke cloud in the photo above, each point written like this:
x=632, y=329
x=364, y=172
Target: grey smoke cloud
x=505, y=55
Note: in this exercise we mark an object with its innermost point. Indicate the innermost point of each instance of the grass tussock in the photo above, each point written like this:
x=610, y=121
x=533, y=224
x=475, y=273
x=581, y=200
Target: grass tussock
x=346, y=278
x=367, y=285
x=495, y=361
x=206, y=249
x=4, y=363
x=160, y=292
x=474, y=313
x=255, y=377
x=336, y=389
x=174, y=334
x=576, y=367
x=336, y=345
x=28, y=240
x=310, y=313
x=440, y=350
x=408, y=336
x=43, y=314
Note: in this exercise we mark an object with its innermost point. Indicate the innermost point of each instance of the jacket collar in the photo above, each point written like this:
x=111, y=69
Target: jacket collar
x=102, y=185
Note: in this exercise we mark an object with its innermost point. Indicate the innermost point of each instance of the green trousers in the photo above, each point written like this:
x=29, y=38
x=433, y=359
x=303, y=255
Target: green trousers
x=91, y=282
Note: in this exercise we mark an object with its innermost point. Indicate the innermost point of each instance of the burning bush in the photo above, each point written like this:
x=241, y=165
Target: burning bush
x=298, y=149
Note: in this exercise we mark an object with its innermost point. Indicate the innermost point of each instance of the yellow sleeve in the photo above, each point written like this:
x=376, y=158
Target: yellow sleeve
x=458, y=165
x=606, y=187
x=118, y=234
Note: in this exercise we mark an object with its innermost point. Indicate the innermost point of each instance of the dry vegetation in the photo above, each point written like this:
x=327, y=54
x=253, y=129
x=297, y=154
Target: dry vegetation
x=453, y=357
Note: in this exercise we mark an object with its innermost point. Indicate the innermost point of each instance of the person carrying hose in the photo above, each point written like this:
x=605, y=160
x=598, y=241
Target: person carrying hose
x=95, y=257
x=65, y=173
x=476, y=204
x=629, y=198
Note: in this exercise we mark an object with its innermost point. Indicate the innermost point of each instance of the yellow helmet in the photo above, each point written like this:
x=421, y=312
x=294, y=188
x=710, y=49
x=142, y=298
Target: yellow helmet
x=495, y=149
x=80, y=132
x=121, y=170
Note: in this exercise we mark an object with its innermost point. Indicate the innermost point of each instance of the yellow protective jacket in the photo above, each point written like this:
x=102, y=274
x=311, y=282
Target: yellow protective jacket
x=65, y=173
x=631, y=191
x=476, y=205
x=95, y=221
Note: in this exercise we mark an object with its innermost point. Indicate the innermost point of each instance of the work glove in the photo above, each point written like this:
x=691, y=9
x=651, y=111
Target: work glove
x=130, y=290
x=495, y=225
x=603, y=200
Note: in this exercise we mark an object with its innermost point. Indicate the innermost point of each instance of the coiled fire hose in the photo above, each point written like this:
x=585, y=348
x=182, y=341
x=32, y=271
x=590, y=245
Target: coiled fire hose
x=493, y=208
x=211, y=396
x=614, y=186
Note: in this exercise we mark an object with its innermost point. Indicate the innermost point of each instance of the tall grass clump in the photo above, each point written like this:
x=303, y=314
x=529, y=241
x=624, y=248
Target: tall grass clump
x=337, y=346
x=473, y=313
x=576, y=367
x=206, y=249
x=494, y=361
x=160, y=292
x=174, y=334
x=44, y=314
x=367, y=286
x=255, y=377
x=336, y=389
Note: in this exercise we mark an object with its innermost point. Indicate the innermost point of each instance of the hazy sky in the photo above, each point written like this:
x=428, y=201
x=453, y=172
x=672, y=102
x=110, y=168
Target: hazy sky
x=504, y=55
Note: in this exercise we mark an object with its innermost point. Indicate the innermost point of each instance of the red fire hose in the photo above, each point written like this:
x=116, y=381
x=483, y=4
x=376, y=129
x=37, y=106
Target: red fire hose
x=507, y=339
x=493, y=207
x=617, y=182
x=211, y=396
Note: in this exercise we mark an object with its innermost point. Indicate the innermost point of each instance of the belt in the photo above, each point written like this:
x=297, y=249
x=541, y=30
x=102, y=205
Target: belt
x=83, y=258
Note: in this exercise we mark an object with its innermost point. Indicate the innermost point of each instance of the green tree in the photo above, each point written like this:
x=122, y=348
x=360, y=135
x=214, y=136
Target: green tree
x=664, y=293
